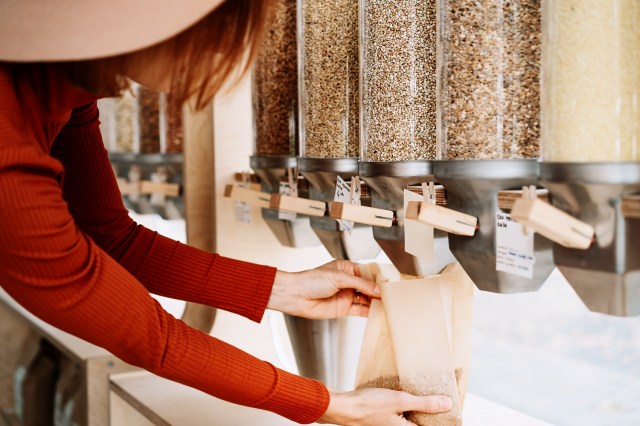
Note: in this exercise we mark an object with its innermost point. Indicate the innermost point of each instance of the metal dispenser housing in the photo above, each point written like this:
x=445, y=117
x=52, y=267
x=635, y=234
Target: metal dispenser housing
x=607, y=275
x=322, y=176
x=387, y=182
x=328, y=350
x=290, y=233
x=472, y=187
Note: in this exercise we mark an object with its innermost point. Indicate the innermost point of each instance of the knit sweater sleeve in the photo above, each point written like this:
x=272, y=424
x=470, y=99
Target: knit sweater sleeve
x=164, y=266
x=57, y=271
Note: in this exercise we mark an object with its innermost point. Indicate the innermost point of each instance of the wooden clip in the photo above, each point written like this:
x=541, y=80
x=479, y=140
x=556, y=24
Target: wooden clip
x=241, y=177
x=303, y=206
x=361, y=214
x=292, y=177
x=631, y=206
x=425, y=188
x=442, y=218
x=507, y=198
x=553, y=223
x=249, y=196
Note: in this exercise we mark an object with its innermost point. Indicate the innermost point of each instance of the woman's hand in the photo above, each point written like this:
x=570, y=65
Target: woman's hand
x=330, y=291
x=379, y=407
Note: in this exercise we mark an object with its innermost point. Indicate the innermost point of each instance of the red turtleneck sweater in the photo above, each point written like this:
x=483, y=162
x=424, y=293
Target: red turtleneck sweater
x=70, y=254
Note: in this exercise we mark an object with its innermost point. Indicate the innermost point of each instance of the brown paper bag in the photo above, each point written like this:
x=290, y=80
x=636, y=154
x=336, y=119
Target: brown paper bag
x=418, y=338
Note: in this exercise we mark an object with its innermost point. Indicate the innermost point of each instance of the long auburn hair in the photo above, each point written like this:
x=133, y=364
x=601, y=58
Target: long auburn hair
x=200, y=59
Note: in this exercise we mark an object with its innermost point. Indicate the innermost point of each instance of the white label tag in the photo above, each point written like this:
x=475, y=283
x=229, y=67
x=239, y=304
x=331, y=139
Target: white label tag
x=343, y=195
x=242, y=211
x=285, y=189
x=355, y=191
x=514, y=248
x=418, y=237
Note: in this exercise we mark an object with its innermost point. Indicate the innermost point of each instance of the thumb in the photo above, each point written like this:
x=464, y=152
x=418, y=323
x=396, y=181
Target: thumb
x=428, y=404
x=344, y=280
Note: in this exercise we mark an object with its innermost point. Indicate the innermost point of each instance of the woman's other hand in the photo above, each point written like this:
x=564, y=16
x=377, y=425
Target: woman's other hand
x=379, y=407
x=329, y=291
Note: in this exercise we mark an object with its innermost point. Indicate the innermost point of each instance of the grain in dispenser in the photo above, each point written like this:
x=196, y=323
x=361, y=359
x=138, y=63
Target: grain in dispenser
x=488, y=129
x=489, y=80
x=591, y=143
x=398, y=80
x=275, y=118
x=328, y=73
x=275, y=86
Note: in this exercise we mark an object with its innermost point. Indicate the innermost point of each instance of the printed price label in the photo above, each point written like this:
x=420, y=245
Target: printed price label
x=286, y=189
x=514, y=248
x=242, y=211
x=343, y=195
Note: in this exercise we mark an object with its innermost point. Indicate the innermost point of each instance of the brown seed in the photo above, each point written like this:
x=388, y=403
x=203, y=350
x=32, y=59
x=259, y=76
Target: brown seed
x=275, y=85
x=329, y=73
x=398, y=109
x=149, y=115
x=174, y=132
x=490, y=98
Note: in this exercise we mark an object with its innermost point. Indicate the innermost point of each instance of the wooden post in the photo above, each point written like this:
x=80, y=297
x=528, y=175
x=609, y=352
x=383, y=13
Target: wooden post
x=199, y=198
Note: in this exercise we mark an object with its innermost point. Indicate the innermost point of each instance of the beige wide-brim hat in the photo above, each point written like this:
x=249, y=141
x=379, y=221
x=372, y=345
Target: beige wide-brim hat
x=57, y=30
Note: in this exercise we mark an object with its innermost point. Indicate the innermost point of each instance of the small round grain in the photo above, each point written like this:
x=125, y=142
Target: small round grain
x=329, y=73
x=398, y=80
x=490, y=97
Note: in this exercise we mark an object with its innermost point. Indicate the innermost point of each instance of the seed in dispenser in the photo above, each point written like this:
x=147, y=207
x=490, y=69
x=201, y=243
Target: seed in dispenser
x=149, y=114
x=591, y=80
x=275, y=85
x=490, y=72
x=124, y=107
x=398, y=80
x=330, y=73
x=173, y=121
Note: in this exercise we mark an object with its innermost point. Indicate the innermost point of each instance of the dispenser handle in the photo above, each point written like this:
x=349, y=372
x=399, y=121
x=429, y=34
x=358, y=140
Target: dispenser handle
x=299, y=205
x=631, y=206
x=442, y=218
x=249, y=196
x=553, y=223
x=168, y=189
x=361, y=214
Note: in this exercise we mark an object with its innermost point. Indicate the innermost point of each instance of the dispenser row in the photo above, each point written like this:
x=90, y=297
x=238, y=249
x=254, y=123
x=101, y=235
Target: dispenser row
x=580, y=218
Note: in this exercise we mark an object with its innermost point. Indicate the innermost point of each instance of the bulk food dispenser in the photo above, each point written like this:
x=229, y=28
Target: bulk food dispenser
x=398, y=118
x=591, y=149
x=143, y=133
x=275, y=117
x=329, y=139
x=488, y=132
x=327, y=350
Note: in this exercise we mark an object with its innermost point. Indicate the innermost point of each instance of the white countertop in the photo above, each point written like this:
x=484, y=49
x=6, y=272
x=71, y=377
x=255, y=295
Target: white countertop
x=168, y=403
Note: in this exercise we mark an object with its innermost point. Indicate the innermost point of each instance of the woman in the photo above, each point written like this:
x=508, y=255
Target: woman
x=69, y=251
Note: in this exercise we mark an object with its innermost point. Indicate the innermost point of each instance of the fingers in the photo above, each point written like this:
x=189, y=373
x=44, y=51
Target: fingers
x=342, y=265
x=344, y=280
x=358, y=310
x=426, y=404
